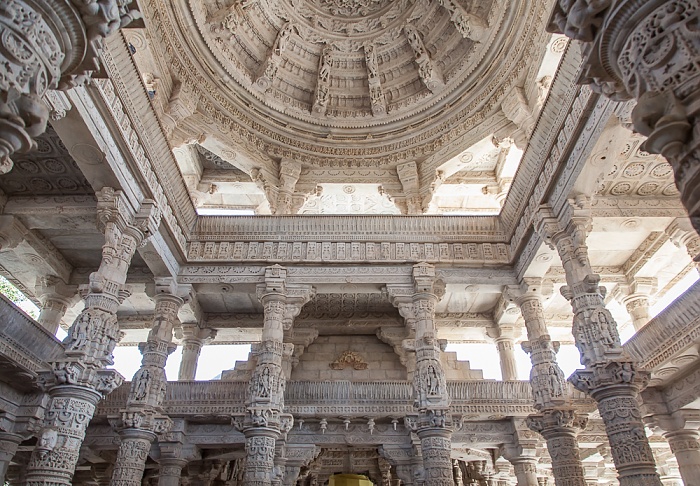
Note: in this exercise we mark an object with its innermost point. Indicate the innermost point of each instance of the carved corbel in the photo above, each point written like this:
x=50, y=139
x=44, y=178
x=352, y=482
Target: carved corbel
x=12, y=232
x=265, y=182
x=428, y=72
x=182, y=105
x=470, y=26
x=290, y=170
x=518, y=110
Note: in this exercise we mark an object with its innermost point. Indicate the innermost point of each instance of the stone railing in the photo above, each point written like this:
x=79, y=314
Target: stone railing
x=339, y=398
x=670, y=332
x=23, y=341
x=347, y=228
x=327, y=392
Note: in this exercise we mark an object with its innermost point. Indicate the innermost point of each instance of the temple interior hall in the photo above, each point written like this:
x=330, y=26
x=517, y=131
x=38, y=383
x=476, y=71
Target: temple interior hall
x=349, y=243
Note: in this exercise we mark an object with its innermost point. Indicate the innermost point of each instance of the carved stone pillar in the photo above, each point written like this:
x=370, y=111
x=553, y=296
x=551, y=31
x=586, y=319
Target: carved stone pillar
x=170, y=471
x=132, y=454
x=685, y=445
x=525, y=471
x=429, y=381
x=56, y=297
x=143, y=417
x=647, y=51
x=9, y=443
x=504, y=339
x=556, y=420
x=680, y=429
x=50, y=45
x=174, y=454
x=264, y=423
x=635, y=297
x=193, y=338
x=610, y=376
x=78, y=379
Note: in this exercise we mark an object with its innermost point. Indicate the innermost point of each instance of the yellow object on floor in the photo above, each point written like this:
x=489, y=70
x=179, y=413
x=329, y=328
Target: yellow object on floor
x=349, y=480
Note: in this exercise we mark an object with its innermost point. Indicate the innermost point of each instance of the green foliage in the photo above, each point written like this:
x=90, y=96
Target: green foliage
x=11, y=292
x=18, y=298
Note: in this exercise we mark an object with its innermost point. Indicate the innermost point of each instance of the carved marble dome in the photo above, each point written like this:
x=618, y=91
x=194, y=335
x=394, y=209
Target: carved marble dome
x=360, y=81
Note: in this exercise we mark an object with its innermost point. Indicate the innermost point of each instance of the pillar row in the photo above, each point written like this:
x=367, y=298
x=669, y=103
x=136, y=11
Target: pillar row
x=610, y=376
x=78, y=380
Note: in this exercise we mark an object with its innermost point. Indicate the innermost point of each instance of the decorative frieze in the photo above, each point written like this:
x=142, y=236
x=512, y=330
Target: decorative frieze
x=327, y=251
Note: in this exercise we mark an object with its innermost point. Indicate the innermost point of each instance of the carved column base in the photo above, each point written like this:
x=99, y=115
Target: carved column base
x=170, y=471
x=615, y=386
x=560, y=427
x=436, y=446
x=260, y=455
x=67, y=416
x=8, y=448
x=131, y=458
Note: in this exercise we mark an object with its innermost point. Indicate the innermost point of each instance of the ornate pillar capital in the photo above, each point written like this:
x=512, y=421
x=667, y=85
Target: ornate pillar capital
x=56, y=45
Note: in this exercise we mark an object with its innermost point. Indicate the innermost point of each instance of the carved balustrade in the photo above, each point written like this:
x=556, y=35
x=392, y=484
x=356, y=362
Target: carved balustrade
x=24, y=341
x=674, y=329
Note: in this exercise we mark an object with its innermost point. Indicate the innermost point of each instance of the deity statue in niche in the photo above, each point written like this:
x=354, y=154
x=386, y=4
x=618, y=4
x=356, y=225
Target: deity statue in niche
x=432, y=381
x=264, y=383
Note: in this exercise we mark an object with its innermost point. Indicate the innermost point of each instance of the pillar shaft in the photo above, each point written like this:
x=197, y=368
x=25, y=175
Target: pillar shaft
x=69, y=412
x=638, y=308
x=51, y=313
x=131, y=457
x=191, y=348
x=436, y=447
x=170, y=471
x=506, y=354
x=525, y=471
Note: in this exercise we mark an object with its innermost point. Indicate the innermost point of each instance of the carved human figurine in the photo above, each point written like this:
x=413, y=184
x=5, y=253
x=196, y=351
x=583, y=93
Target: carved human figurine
x=371, y=60
x=324, y=70
x=78, y=336
x=322, y=96
x=141, y=385
x=433, y=381
x=282, y=39
x=264, y=383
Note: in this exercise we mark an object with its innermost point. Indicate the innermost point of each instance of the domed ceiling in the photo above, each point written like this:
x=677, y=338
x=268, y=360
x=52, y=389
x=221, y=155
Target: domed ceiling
x=351, y=82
